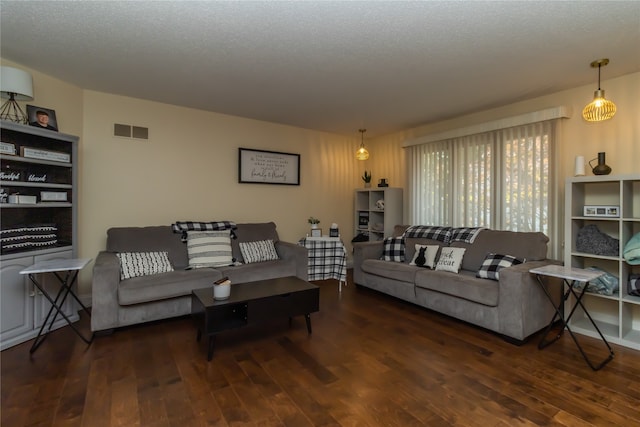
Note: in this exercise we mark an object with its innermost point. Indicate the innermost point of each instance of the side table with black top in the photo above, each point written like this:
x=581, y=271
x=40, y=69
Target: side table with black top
x=252, y=303
x=570, y=276
x=66, y=271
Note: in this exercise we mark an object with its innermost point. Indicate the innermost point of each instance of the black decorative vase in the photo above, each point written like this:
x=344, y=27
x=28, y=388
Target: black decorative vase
x=601, y=168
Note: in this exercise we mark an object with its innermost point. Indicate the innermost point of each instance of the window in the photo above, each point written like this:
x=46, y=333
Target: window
x=499, y=179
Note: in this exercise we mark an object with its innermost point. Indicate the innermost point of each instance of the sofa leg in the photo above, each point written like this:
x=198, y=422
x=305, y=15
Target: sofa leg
x=104, y=332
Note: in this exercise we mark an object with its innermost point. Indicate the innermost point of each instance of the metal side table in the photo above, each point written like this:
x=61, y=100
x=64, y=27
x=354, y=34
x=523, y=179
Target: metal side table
x=570, y=276
x=66, y=271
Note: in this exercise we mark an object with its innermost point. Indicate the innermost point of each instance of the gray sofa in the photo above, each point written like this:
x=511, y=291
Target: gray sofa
x=514, y=306
x=141, y=299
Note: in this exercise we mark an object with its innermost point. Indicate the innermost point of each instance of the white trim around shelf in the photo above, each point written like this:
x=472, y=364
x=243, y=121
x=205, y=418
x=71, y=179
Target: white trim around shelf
x=37, y=205
x=35, y=184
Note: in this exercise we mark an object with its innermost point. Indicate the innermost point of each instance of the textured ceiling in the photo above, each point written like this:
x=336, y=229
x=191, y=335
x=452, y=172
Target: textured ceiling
x=329, y=66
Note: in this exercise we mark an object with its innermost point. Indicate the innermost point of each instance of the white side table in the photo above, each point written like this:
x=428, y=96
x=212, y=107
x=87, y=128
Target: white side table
x=66, y=271
x=570, y=276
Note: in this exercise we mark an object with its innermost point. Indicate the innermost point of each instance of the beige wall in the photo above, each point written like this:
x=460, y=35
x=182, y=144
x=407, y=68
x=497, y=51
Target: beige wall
x=618, y=137
x=188, y=168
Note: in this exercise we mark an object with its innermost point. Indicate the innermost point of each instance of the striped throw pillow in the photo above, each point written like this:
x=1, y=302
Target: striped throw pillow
x=258, y=251
x=134, y=264
x=209, y=248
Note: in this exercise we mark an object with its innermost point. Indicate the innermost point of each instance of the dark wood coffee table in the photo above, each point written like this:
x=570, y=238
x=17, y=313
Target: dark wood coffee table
x=252, y=303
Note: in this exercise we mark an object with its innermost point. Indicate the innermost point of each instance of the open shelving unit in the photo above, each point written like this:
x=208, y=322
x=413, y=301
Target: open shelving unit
x=617, y=316
x=370, y=218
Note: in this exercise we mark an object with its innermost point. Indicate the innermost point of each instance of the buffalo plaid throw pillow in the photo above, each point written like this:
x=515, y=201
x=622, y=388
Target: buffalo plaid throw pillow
x=493, y=263
x=185, y=226
x=429, y=232
x=465, y=234
x=393, y=249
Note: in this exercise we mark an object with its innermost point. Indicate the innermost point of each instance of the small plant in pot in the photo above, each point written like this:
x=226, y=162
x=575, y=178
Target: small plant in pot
x=367, y=179
x=313, y=221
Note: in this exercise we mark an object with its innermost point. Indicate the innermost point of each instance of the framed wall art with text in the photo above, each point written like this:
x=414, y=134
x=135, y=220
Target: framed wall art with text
x=268, y=167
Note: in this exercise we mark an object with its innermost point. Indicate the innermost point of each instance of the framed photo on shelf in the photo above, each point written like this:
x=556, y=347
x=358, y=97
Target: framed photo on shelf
x=41, y=117
x=316, y=232
x=268, y=167
x=363, y=219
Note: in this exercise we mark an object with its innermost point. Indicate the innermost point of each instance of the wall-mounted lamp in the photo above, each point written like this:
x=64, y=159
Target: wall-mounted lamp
x=362, y=153
x=599, y=109
x=15, y=85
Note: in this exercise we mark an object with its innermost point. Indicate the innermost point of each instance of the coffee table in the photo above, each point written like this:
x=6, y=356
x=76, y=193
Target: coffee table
x=252, y=303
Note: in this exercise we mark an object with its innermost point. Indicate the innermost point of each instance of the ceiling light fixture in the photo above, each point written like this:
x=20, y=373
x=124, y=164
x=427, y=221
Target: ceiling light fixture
x=362, y=153
x=15, y=85
x=599, y=109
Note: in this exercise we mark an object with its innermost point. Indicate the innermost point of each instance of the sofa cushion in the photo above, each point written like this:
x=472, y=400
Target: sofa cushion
x=173, y=284
x=531, y=246
x=149, y=239
x=493, y=263
x=464, y=285
x=450, y=259
x=429, y=253
x=393, y=270
x=252, y=232
x=209, y=248
x=398, y=230
x=258, y=251
x=259, y=271
x=393, y=249
x=134, y=264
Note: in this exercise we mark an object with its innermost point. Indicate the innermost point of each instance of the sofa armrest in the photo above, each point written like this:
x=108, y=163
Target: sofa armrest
x=297, y=254
x=104, y=290
x=361, y=252
x=524, y=308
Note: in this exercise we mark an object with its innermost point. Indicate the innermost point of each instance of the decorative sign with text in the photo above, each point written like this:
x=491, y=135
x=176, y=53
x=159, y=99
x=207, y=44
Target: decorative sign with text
x=268, y=167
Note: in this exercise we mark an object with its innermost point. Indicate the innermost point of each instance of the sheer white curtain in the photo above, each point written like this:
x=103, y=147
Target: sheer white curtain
x=526, y=200
x=474, y=180
x=499, y=179
x=430, y=178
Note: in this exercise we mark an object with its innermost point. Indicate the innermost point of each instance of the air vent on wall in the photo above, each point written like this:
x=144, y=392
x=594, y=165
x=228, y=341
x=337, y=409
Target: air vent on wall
x=129, y=131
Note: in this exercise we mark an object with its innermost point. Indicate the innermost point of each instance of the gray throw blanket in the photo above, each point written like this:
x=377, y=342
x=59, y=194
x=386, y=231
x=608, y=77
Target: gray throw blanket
x=593, y=241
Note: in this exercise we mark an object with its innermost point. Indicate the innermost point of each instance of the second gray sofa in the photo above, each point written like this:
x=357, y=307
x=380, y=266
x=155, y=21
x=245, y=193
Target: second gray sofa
x=514, y=306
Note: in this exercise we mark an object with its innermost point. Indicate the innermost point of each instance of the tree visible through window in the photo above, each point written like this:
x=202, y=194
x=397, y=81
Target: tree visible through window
x=499, y=179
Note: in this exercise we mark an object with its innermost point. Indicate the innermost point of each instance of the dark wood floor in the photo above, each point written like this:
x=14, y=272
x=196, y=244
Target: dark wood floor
x=371, y=361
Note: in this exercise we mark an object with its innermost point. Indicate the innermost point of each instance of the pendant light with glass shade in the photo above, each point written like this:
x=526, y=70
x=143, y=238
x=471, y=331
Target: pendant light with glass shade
x=600, y=108
x=362, y=153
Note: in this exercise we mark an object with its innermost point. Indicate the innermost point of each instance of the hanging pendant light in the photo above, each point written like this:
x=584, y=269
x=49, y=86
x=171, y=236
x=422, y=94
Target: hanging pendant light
x=599, y=109
x=362, y=153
